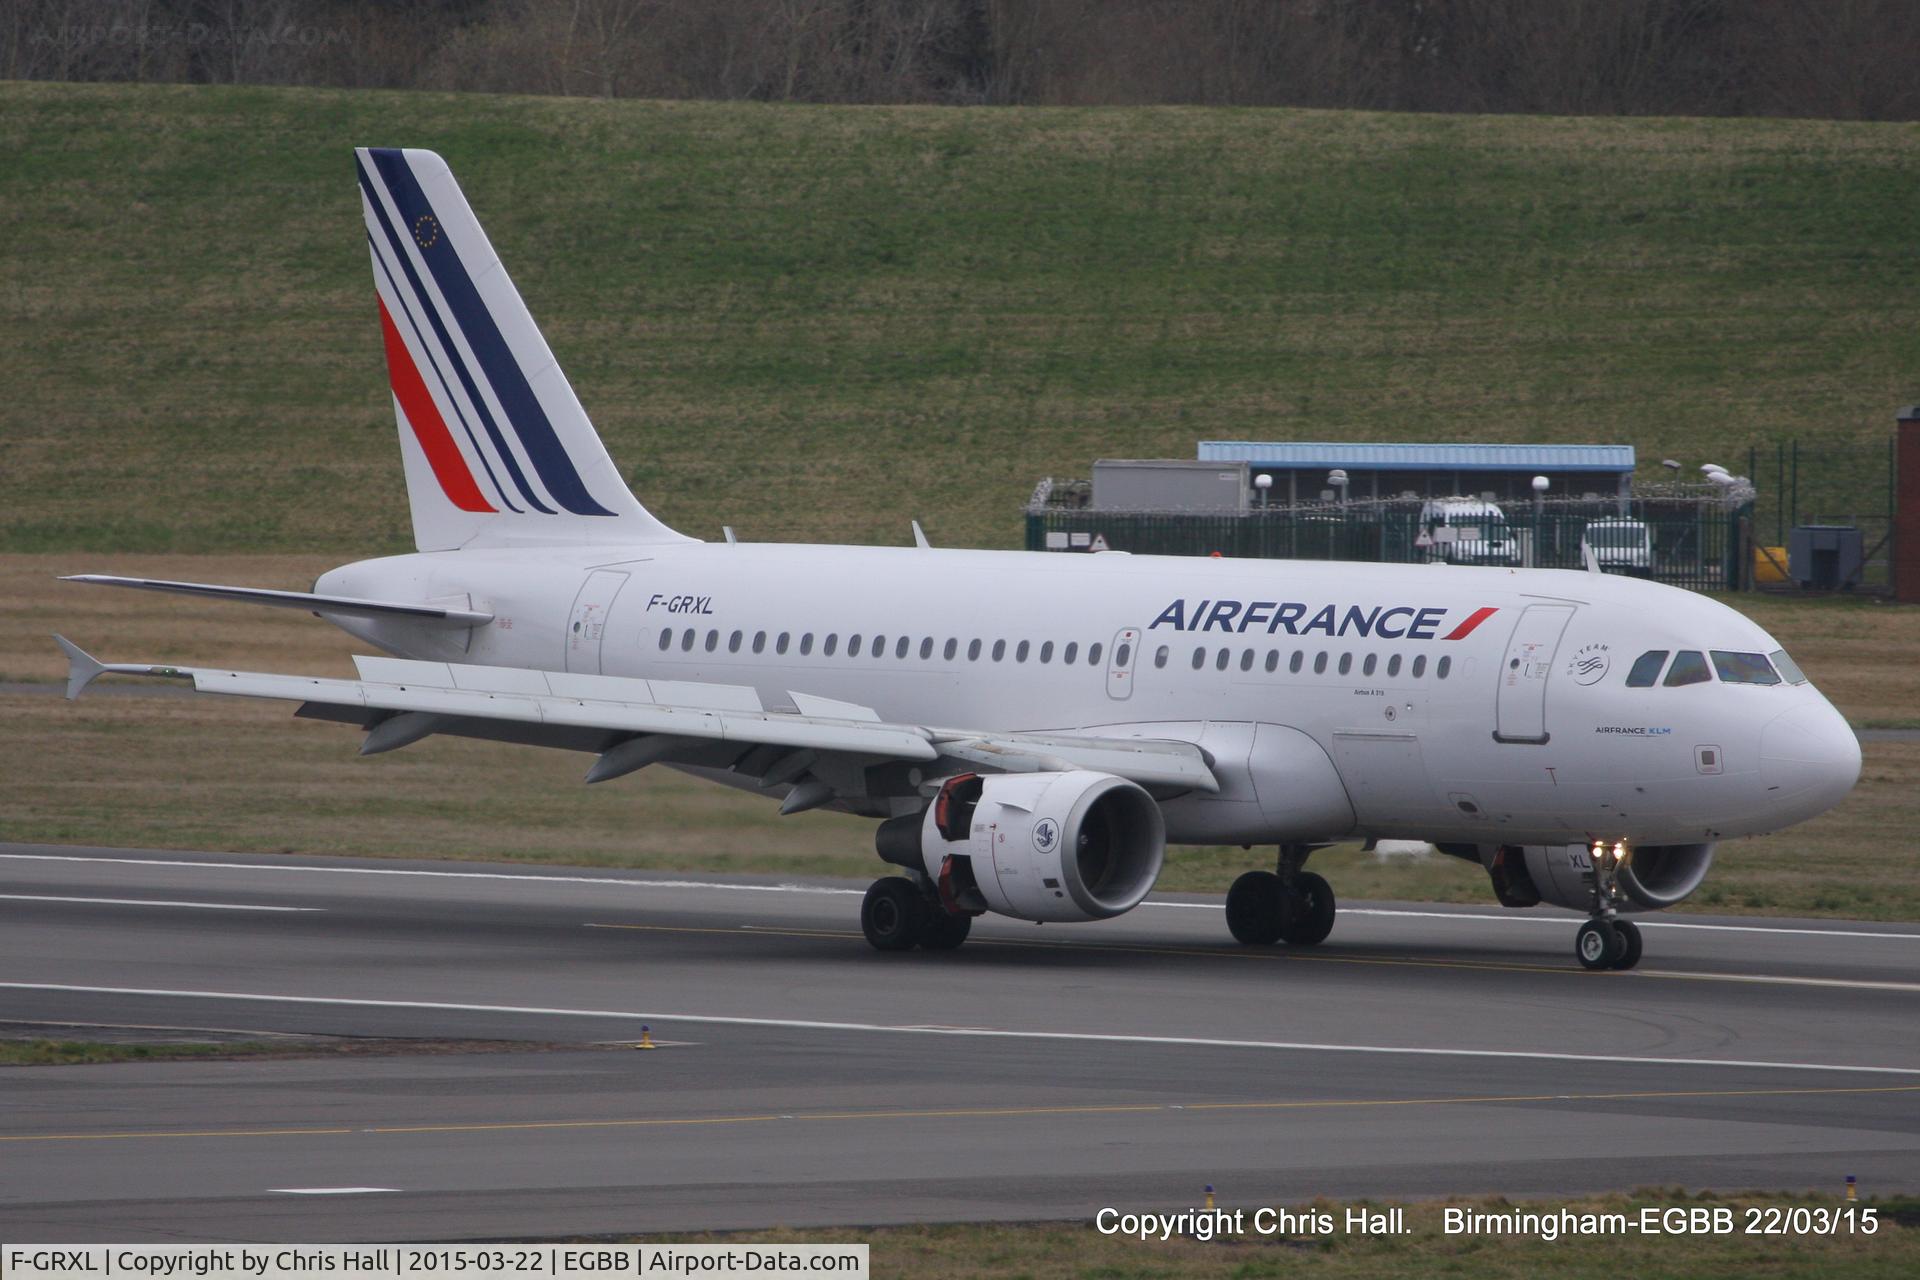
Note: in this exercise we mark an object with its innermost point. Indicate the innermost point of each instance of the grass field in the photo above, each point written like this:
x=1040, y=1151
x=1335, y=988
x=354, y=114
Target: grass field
x=214, y=773
x=817, y=322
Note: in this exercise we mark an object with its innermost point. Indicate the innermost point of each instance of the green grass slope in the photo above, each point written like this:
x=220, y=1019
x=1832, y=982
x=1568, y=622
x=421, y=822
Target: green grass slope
x=817, y=322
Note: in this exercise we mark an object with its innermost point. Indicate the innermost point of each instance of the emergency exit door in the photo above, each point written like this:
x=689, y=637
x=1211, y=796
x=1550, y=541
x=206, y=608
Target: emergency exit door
x=587, y=627
x=1521, y=713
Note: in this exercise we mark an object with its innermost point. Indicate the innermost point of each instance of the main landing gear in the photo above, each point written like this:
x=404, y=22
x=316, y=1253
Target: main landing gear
x=1608, y=941
x=897, y=915
x=1283, y=905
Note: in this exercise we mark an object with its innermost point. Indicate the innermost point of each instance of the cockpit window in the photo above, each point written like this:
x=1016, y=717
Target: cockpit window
x=1689, y=667
x=1788, y=668
x=1744, y=668
x=1646, y=669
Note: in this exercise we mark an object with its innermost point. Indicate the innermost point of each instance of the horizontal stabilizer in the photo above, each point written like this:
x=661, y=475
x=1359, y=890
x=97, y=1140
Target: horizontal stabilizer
x=345, y=606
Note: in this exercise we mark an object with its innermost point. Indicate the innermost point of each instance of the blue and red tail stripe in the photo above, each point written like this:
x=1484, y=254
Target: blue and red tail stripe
x=521, y=407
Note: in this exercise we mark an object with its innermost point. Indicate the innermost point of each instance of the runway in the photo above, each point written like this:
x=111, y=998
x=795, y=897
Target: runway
x=804, y=1079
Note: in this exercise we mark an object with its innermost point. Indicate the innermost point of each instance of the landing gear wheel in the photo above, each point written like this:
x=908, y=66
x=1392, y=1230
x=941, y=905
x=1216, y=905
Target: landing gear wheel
x=944, y=931
x=1630, y=944
x=1599, y=944
x=1259, y=909
x=893, y=914
x=1313, y=911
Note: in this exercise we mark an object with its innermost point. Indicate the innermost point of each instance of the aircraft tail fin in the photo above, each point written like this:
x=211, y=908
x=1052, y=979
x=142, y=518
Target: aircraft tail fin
x=498, y=451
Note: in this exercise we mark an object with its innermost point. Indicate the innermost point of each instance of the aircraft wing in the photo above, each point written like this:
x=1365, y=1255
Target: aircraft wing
x=630, y=722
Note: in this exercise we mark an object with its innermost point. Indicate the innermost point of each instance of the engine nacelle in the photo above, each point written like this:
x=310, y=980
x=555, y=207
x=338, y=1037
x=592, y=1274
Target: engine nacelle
x=1655, y=876
x=1035, y=846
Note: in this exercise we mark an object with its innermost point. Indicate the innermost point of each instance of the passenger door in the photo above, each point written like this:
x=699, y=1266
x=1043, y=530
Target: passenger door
x=1521, y=711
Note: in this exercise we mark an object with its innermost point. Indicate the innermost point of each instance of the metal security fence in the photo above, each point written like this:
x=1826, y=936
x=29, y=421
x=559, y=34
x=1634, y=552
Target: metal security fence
x=1701, y=544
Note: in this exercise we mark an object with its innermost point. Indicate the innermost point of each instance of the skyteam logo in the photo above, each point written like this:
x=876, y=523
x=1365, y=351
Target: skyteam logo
x=1589, y=664
x=1046, y=836
x=1396, y=622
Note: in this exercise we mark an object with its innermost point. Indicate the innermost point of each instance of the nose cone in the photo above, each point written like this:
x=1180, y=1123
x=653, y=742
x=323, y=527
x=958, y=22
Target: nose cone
x=1809, y=760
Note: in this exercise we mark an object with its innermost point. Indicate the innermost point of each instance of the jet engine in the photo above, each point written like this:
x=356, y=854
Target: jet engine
x=1035, y=846
x=1654, y=876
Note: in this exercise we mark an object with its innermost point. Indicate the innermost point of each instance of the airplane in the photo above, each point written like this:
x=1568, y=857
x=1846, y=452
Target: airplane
x=1030, y=730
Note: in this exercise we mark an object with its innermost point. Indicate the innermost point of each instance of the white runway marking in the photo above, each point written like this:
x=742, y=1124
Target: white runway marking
x=999, y=1033
x=150, y=902
x=832, y=891
x=328, y=1191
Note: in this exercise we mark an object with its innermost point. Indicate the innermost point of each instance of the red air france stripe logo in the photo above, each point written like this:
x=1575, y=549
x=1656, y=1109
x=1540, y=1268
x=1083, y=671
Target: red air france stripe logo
x=1474, y=619
x=429, y=428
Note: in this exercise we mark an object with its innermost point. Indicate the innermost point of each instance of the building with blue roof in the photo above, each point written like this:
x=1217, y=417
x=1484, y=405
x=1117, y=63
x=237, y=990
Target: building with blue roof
x=1497, y=472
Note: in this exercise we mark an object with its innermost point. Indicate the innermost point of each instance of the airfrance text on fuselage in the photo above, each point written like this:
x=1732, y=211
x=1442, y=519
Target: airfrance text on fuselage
x=1237, y=617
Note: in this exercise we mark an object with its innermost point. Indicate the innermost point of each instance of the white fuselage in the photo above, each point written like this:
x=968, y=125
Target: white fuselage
x=1334, y=699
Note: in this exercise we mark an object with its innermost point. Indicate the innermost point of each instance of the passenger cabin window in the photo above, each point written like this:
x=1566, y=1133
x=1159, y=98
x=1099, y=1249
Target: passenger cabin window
x=926, y=648
x=806, y=644
x=1246, y=659
x=1299, y=660
x=666, y=637
x=686, y=640
x=1393, y=665
x=713, y=641
x=1743, y=668
x=1159, y=655
x=853, y=645
x=780, y=645
x=1346, y=663
x=1789, y=669
x=1442, y=667
x=879, y=646
x=1220, y=663
x=1123, y=656
x=1366, y=668
x=973, y=651
x=1199, y=659
x=1689, y=667
x=759, y=642
x=1093, y=655
x=1419, y=665
x=733, y=642
x=952, y=647
x=1071, y=652
x=999, y=650
x=1020, y=651
x=1646, y=669
x=1046, y=651
x=1320, y=663
x=1273, y=660
x=831, y=643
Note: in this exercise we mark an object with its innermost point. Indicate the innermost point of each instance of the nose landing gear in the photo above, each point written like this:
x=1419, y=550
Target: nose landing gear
x=1608, y=941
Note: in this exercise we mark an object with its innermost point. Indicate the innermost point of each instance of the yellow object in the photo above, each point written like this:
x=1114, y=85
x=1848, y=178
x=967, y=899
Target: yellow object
x=646, y=1039
x=1769, y=564
x=1851, y=1189
x=1210, y=1196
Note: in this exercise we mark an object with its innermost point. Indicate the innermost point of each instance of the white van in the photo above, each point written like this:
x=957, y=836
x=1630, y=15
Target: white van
x=1466, y=531
x=1625, y=546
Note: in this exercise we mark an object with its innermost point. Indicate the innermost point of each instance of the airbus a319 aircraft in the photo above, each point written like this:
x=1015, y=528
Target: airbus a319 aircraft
x=1031, y=731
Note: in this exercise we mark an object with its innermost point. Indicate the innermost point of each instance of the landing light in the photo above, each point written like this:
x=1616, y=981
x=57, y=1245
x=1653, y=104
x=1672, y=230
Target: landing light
x=1620, y=852
x=1599, y=850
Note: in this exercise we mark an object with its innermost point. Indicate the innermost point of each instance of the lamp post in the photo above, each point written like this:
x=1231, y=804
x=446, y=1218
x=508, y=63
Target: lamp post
x=1540, y=487
x=1262, y=483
